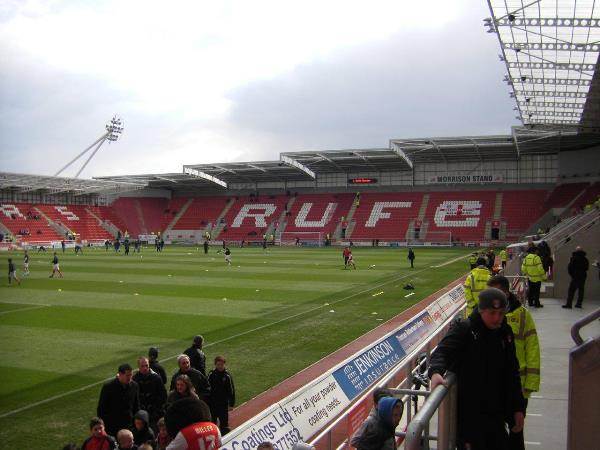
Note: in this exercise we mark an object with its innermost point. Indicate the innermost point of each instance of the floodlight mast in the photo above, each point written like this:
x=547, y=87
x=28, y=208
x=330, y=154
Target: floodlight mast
x=114, y=128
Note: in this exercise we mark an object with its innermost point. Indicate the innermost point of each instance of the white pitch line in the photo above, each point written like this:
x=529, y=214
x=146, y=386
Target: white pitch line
x=293, y=316
x=408, y=295
x=24, y=309
x=450, y=262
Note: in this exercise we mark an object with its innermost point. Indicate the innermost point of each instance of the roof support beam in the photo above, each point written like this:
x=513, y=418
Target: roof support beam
x=570, y=22
x=556, y=81
x=204, y=176
x=293, y=163
x=553, y=66
x=398, y=151
x=566, y=47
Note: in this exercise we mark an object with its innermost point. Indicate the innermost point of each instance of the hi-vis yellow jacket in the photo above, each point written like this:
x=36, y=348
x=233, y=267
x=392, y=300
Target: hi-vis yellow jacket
x=528, y=348
x=503, y=255
x=475, y=283
x=532, y=268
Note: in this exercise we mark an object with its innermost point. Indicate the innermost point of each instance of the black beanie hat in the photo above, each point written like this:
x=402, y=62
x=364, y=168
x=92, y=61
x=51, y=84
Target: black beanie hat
x=184, y=412
x=492, y=298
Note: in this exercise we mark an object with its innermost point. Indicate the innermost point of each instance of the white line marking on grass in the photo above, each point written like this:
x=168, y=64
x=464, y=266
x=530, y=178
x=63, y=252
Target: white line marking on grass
x=293, y=316
x=408, y=295
x=376, y=294
x=451, y=261
x=25, y=309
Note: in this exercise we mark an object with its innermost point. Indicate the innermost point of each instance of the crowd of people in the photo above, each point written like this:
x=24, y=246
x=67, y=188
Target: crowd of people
x=135, y=411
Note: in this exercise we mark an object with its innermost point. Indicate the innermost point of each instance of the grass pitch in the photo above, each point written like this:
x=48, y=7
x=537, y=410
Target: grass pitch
x=271, y=313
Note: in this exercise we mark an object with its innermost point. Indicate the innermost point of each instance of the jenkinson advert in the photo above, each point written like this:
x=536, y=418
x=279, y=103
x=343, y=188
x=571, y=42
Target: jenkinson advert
x=304, y=413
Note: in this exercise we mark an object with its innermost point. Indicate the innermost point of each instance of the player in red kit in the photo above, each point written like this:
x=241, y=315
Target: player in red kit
x=188, y=420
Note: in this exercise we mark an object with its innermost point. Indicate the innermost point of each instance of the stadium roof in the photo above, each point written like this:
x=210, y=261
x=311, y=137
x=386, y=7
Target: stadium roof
x=56, y=185
x=349, y=161
x=551, y=50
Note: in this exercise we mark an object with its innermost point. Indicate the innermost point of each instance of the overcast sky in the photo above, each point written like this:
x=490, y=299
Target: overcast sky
x=219, y=81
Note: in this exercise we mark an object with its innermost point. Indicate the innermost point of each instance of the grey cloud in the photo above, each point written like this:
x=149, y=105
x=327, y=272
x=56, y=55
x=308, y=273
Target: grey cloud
x=446, y=83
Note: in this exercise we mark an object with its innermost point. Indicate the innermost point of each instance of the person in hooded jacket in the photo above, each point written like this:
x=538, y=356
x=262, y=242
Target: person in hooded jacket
x=578, y=267
x=378, y=430
x=142, y=433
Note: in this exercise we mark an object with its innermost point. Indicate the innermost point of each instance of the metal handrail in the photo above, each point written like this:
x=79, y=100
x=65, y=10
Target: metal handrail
x=566, y=239
x=582, y=323
x=419, y=423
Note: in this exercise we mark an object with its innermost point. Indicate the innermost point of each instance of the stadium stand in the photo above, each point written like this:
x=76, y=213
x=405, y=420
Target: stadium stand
x=77, y=220
x=21, y=219
x=200, y=213
x=563, y=194
x=464, y=214
x=318, y=212
x=107, y=214
x=520, y=209
x=589, y=196
x=141, y=215
x=251, y=217
x=385, y=215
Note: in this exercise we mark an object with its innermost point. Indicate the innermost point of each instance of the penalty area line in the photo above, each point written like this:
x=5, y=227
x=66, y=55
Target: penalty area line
x=243, y=333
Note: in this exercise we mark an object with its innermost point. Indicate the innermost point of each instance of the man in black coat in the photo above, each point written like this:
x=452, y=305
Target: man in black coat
x=199, y=381
x=155, y=365
x=481, y=351
x=222, y=394
x=153, y=394
x=196, y=355
x=119, y=401
x=578, y=267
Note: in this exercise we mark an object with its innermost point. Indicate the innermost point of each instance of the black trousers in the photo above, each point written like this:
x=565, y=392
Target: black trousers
x=579, y=286
x=489, y=434
x=517, y=440
x=221, y=413
x=533, y=293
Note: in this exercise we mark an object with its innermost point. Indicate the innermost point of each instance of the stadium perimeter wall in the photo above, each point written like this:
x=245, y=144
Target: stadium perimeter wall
x=303, y=405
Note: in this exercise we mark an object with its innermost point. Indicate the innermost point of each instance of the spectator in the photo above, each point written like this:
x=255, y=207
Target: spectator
x=189, y=421
x=119, y=400
x=125, y=440
x=98, y=439
x=577, y=268
x=222, y=394
x=142, y=433
x=196, y=355
x=476, y=282
x=183, y=388
x=198, y=380
x=378, y=431
x=527, y=348
x=153, y=394
x=155, y=365
x=533, y=269
x=378, y=394
x=481, y=350
x=162, y=439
